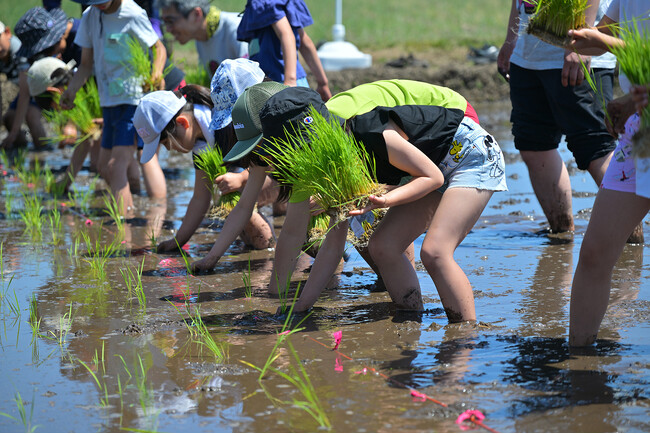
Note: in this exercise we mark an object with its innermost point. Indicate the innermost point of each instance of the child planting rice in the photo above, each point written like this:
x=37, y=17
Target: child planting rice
x=554, y=18
x=181, y=121
x=437, y=145
x=624, y=197
x=47, y=78
x=210, y=161
x=104, y=28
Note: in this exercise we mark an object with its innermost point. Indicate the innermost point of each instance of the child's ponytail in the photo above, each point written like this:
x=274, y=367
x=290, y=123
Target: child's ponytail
x=195, y=94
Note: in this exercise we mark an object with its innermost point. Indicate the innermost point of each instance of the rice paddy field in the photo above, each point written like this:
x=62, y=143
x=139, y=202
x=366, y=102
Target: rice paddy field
x=100, y=333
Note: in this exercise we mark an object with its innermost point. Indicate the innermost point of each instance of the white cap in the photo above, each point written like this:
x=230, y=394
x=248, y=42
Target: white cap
x=229, y=81
x=39, y=75
x=151, y=117
x=2, y=27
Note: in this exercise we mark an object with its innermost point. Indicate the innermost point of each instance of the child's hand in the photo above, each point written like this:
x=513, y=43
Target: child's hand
x=229, y=182
x=67, y=99
x=167, y=246
x=619, y=110
x=98, y=121
x=314, y=207
x=375, y=202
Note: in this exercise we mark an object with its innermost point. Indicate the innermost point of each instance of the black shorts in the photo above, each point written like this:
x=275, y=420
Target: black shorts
x=543, y=110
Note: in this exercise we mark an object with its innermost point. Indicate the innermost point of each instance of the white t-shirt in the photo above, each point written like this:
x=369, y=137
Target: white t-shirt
x=223, y=44
x=107, y=35
x=532, y=53
x=622, y=11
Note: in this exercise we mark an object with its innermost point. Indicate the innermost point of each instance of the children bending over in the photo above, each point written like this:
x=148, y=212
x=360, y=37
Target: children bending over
x=181, y=121
x=103, y=32
x=445, y=196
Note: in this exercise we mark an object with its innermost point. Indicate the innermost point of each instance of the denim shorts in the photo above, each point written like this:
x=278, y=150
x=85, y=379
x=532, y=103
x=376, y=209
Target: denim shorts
x=302, y=82
x=475, y=160
x=118, y=127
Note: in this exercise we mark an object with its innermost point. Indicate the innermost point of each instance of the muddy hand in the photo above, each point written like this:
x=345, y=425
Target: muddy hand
x=167, y=246
x=205, y=264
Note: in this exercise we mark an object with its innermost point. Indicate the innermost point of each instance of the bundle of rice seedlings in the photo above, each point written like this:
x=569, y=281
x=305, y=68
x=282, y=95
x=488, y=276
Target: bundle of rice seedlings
x=554, y=18
x=211, y=162
x=360, y=241
x=82, y=115
x=634, y=61
x=316, y=232
x=139, y=65
x=328, y=164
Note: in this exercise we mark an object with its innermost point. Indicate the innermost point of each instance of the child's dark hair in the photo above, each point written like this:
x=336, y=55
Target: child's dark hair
x=60, y=77
x=194, y=94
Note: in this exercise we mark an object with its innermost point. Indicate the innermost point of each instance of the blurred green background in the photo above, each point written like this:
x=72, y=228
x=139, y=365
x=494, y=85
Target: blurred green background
x=371, y=24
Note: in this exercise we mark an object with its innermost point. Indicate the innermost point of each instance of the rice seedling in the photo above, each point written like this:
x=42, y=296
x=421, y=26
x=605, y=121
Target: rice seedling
x=9, y=204
x=328, y=164
x=22, y=412
x=554, y=18
x=246, y=278
x=56, y=226
x=203, y=337
x=86, y=109
x=186, y=259
x=145, y=393
x=633, y=58
x=362, y=229
x=139, y=65
x=65, y=324
x=134, y=285
x=316, y=232
x=103, y=387
x=31, y=215
x=4, y=160
x=11, y=302
x=81, y=198
x=99, y=254
x=211, y=162
x=298, y=378
x=2, y=263
x=112, y=208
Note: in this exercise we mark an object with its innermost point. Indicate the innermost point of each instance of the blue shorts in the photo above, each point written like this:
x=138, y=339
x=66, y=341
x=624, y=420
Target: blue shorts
x=118, y=127
x=302, y=82
x=474, y=160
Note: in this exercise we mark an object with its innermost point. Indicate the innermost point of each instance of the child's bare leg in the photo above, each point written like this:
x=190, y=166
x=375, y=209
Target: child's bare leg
x=457, y=212
x=76, y=161
x=121, y=158
x=614, y=216
x=389, y=244
x=154, y=179
x=257, y=233
x=34, y=121
x=8, y=120
x=133, y=175
x=95, y=146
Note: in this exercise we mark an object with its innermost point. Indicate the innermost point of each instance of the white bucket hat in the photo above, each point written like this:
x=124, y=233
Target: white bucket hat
x=154, y=112
x=39, y=75
x=229, y=81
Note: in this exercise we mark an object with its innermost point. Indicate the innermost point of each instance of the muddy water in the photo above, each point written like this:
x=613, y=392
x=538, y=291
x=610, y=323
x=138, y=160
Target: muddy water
x=147, y=374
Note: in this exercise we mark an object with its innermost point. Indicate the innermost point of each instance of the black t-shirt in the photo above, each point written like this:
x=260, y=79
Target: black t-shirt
x=431, y=129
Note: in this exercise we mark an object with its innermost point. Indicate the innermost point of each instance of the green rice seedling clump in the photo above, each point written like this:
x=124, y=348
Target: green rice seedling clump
x=211, y=162
x=327, y=163
x=82, y=115
x=554, y=18
x=634, y=61
x=139, y=65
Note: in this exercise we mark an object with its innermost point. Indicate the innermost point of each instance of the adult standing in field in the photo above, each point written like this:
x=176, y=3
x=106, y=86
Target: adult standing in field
x=275, y=32
x=549, y=99
x=214, y=30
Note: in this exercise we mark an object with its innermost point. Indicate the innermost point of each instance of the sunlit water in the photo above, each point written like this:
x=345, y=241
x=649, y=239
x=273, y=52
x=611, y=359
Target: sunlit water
x=515, y=366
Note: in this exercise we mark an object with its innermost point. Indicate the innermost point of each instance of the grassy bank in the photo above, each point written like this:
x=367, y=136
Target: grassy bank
x=372, y=24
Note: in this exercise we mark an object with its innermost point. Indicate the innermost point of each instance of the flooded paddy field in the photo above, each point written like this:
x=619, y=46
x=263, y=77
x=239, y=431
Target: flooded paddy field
x=90, y=343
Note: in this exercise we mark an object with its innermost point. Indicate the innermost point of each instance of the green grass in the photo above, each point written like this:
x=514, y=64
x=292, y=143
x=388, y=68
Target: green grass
x=371, y=25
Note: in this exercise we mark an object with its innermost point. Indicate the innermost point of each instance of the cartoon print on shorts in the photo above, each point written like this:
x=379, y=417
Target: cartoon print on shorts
x=493, y=158
x=455, y=151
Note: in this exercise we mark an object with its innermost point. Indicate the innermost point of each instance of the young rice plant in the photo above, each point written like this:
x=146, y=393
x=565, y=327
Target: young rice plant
x=327, y=163
x=554, y=18
x=211, y=162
